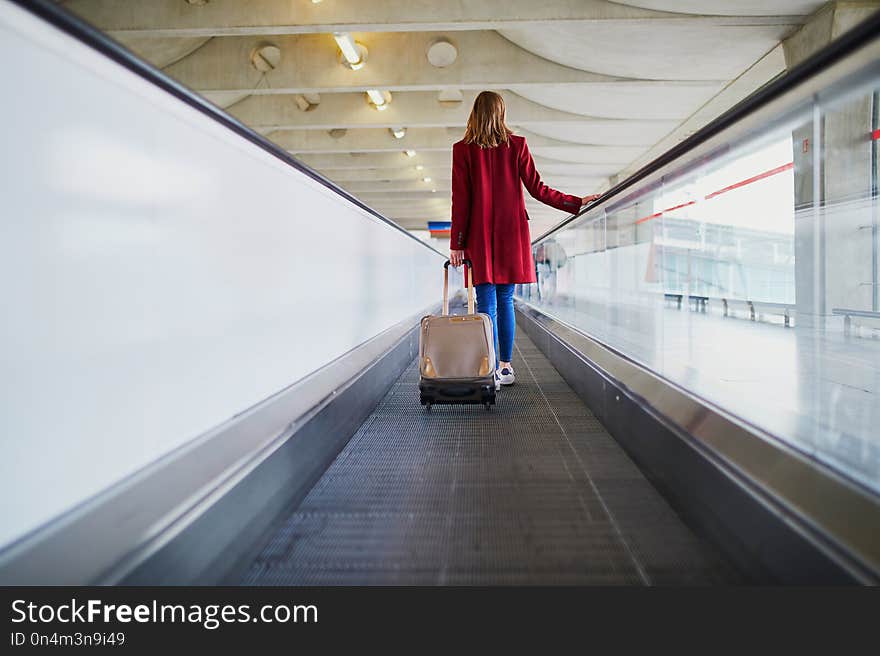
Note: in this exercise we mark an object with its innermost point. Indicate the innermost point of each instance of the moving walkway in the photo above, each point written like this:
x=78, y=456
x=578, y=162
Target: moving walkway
x=209, y=362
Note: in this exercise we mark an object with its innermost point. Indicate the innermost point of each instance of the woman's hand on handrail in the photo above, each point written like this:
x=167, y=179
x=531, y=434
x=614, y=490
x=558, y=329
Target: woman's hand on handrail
x=456, y=258
x=589, y=199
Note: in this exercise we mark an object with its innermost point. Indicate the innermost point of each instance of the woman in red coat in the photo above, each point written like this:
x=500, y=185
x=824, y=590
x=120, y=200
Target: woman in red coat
x=489, y=220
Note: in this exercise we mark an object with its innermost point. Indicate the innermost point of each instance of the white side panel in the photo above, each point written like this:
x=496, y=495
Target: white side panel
x=158, y=273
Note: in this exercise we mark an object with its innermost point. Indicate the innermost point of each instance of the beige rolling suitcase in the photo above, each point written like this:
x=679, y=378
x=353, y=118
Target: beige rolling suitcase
x=457, y=353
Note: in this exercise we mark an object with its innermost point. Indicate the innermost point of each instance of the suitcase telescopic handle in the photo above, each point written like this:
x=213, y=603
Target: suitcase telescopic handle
x=468, y=283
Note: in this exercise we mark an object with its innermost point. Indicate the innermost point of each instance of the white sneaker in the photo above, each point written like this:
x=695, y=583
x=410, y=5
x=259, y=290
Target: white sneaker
x=505, y=376
x=497, y=381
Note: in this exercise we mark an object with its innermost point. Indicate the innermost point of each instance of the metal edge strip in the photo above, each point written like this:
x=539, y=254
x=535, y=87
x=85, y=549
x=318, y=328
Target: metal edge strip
x=79, y=29
x=754, y=535
x=145, y=510
x=218, y=540
x=834, y=512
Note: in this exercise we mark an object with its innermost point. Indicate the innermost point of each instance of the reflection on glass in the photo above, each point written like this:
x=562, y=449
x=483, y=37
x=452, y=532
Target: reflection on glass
x=728, y=233
x=749, y=277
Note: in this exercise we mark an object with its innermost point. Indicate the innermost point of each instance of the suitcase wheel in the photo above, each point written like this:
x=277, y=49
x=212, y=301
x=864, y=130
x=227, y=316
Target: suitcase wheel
x=488, y=397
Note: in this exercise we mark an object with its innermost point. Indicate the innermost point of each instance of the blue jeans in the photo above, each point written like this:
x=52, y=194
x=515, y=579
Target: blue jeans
x=497, y=302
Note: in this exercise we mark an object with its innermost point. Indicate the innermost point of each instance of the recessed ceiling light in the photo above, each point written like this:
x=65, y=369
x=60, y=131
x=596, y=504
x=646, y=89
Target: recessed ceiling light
x=306, y=101
x=399, y=133
x=409, y=153
x=426, y=179
x=442, y=53
x=450, y=96
x=266, y=57
x=419, y=167
x=353, y=53
x=379, y=99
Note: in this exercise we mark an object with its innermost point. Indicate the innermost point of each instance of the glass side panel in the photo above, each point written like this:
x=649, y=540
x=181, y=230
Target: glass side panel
x=159, y=274
x=749, y=277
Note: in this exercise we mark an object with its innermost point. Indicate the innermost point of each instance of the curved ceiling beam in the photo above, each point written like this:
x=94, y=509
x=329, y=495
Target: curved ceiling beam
x=550, y=159
x=309, y=64
x=574, y=171
x=596, y=132
x=378, y=140
x=421, y=109
x=637, y=99
x=728, y=8
x=408, y=173
x=230, y=18
x=442, y=185
x=162, y=52
x=335, y=162
x=443, y=173
x=668, y=52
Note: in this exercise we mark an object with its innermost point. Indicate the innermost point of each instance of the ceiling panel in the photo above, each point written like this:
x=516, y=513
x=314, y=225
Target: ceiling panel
x=647, y=51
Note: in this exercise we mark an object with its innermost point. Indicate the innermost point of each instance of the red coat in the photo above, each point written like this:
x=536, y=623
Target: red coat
x=489, y=219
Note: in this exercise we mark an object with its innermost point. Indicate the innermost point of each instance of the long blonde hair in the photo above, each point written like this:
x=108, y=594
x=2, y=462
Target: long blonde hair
x=486, y=126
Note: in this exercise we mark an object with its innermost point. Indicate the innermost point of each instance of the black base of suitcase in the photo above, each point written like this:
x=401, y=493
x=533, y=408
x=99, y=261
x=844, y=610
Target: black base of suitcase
x=431, y=393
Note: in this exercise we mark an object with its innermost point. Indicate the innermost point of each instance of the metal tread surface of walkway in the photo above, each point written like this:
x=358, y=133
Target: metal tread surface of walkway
x=533, y=492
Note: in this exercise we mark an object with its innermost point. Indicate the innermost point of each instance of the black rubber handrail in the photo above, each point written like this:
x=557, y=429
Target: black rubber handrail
x=841, y=47
x=93, y=37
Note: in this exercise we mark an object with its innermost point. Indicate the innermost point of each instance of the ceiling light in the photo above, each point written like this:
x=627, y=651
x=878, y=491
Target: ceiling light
x=450, y=97
x=442, y=53
x=266, y=57
x=399, y=133
x=419, y=167
x=347, y=46
x=304, y=103
x=316, y=2
x=433, y=191
x=426, y=179
x=409, y=153
x=380, y=99
x=376, y=96
x=354, y=53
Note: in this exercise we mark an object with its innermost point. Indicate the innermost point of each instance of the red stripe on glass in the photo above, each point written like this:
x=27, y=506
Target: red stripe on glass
x=668, y=209
x=754, y=178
